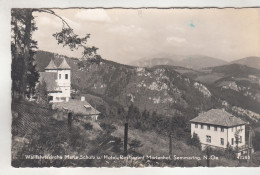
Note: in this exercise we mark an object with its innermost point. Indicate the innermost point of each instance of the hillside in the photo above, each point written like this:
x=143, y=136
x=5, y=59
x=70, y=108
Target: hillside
x=200, y=61
x=157, y=89
x=153, y=62
x=235, y=84
x=155, y=102
x=249, y=61
x=47, y=135
x=168, y=90
x=191, y=61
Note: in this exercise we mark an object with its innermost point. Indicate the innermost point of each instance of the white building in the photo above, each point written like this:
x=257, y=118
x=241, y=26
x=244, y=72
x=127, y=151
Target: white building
x=58, y=81
x=217, y=128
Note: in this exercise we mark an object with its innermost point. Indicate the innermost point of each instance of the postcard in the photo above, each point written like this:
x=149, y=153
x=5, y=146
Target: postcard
x=137, y=87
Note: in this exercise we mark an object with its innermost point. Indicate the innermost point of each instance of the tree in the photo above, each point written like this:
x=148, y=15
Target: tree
x=42, y=93
x=24, y=74
x=237, y=135
x=21, y=46
x=32, y=73
x=230, y=153
x=195, y=141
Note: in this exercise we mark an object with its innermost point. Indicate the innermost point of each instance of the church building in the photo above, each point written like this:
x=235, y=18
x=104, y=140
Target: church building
x=58, y=81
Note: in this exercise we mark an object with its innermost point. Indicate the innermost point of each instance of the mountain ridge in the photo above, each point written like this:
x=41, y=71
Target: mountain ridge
x=251, y=61
x=190, y=61
x=161, y=88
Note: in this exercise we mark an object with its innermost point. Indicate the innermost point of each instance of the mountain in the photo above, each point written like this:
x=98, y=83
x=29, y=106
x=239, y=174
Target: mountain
x=159, y=88
x=234, y=84
x=192, y=61
x=200, y=61
x=153, y=62
x=167, y=90
x=249, y=61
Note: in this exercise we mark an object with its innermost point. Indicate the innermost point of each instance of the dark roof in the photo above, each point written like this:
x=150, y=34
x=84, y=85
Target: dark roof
x=51, y=66
x=64, y=65
x=50, y=79
x=218, y=117
x=77, y=106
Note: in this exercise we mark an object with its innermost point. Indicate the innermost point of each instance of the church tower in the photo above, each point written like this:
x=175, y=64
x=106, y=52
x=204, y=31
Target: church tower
x=58, y=81
x=51, y=67
x=64, y=78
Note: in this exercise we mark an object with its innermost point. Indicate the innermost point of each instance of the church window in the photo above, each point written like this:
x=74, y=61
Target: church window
x=66, y=76
x=59, y=76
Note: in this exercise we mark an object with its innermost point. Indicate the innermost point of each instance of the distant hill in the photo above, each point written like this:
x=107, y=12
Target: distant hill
x=200, y=61
x=237, y=84
x=159, y=89
x=249, y=61
x=153, y=62
x=168, y=90
x=192, y=61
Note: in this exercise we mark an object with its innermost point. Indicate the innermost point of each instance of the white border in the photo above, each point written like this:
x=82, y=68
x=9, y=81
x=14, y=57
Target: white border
x=5, y=83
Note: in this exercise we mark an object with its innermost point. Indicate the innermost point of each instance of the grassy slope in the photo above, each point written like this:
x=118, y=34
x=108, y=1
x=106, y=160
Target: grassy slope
x=46, y=135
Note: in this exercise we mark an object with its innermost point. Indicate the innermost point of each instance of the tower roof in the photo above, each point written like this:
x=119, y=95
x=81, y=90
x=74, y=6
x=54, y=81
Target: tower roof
x=51, y=66
x=64, y=65
x=218, y=117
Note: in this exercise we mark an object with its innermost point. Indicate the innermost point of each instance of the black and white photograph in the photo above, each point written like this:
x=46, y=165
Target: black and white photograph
x=135, y=87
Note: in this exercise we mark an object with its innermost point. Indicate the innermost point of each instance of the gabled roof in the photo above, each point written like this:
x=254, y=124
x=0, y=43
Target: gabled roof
x=64, y=65
x=51, y=66
x=77, y=106
x=218, y=117
x=50, y=79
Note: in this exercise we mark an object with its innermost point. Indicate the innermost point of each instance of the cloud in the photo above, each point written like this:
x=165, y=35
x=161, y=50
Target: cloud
x=176, y=39
x=47, y=21
x=180, y=29
x=71, y=23
x=126, y=29
x=98, y=15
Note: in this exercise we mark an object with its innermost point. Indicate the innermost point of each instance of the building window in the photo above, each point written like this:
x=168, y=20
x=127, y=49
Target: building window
x=222, y=141
x=215, y=128
x=240, y=139
x=232, y=129
x=222, y=129
x=208, y=127
x=66, y=76
x=232, y=141
x=201, y=126
x=208, y=139
x=236, y=140
x=196, y=125
x=59, y=76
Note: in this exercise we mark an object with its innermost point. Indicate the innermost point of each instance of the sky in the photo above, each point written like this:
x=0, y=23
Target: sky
x=125, y=35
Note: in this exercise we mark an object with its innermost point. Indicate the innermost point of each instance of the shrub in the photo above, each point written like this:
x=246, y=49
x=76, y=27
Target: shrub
x=194, y=141
x=88, y=126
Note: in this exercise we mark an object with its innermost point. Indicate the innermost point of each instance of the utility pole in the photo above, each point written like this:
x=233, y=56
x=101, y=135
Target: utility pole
x=125, y=139
x=69, y=120
x=170, y=134
x=126, y=130
x=208, y=156
x=249, y=151
x=170, y=145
